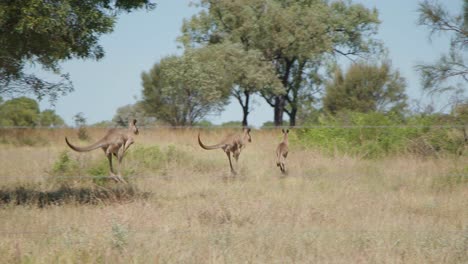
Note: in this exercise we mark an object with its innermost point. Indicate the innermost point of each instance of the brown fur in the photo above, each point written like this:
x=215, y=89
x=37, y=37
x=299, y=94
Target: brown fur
x=115, y=142
x=282, y=151
x=233, y=143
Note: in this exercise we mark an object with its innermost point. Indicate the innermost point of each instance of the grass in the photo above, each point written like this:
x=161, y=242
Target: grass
x=182, y=206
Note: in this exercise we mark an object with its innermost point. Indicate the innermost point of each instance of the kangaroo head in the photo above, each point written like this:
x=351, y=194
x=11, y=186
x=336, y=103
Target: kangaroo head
x=247, y=134
x=132, y=126
x=285, y=131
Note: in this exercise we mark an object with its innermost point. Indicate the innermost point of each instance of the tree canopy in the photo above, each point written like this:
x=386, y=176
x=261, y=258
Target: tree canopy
x=453, y=65
x=24, y=111
x=48, y=32
x=291, y=35
x=247, y=73
x=183, y=90
x=132, y=111
x=366, y=88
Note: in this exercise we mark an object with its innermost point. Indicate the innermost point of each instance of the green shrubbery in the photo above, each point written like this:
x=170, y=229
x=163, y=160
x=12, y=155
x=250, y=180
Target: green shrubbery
x=374, y=135
x=138, y=161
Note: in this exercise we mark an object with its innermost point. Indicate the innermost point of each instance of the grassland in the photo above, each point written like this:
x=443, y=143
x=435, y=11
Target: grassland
x=182, y=206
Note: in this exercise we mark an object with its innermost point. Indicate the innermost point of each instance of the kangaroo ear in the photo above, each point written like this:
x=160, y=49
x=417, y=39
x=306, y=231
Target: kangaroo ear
x=282, y=130
x=287, y=130
x=248, y=129
x=134, y=121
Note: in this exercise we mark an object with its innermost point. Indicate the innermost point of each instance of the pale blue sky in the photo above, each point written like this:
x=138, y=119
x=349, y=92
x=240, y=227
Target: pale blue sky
x=142, y=38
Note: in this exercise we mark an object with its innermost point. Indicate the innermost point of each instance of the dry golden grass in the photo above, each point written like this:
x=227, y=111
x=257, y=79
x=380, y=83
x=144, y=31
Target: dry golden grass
x=326, y=210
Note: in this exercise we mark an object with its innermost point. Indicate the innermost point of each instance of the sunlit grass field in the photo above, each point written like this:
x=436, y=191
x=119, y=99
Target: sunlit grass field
x=183, y=206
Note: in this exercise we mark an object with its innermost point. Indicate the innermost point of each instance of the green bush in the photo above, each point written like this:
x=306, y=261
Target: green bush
x=374, y=135
x=65, y=165
x=137, y=161
x=146, y=157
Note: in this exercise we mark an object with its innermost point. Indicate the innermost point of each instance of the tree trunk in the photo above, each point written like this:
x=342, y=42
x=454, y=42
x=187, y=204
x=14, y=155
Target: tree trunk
x=244, y=101
x=280, y=102
x=245, y=113
x=245, y=109
x=292, y=117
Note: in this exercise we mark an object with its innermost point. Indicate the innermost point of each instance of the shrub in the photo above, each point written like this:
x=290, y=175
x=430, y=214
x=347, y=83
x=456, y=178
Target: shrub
x=138, y=160
x=65, y=166
x=375, y=135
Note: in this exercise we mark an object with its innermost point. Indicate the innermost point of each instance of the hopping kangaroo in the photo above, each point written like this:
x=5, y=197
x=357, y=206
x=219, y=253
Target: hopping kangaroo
x=282, y=151
x=115, y=142
x=232, y=143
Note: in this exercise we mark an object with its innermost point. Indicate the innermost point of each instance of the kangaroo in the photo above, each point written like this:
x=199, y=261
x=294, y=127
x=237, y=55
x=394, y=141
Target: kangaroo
x=115, y=142
x=233, y=143
x=282, y=151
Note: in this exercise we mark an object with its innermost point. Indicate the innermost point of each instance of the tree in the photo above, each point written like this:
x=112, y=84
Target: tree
x=48, y=118
x=130, y=112
x=80, y=122
x=103, y=123
x=47, y=32
x=25, y=112
x=20, y=111
x=232, y=124
x=366, y=88
x=451, y=66
x=247, y=73
x=184, y=90
x=291, y=35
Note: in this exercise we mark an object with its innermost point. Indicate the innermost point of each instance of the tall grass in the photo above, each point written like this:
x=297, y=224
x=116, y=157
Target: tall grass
x=182, y=205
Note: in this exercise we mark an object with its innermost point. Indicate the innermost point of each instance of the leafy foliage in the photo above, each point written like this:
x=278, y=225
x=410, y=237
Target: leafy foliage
x=24, y=111
x=48, y=32
x=140, y=160
x=293, y=36
x=204, y=123
x=233, y=124
x=80, y=122
x=184, y=90
x=129, y=112
x=249, y=74
x=372, y=135
x=366, y=88
x=451, y=66
x=20, y=111
x=49, y=118
x=65, y=165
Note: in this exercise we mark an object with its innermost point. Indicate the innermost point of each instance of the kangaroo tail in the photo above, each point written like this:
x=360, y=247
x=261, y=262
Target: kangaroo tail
x=96, y=145
x=217, y=146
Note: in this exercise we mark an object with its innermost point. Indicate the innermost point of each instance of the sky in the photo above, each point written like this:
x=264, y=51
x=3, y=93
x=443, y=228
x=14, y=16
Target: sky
x=141, y=38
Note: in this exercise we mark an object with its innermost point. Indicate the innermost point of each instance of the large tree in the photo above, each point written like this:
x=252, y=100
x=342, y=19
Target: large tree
x=247, y=73
x=291, y=35
x=24, y=111
x=48, y=118
x=45, y=33
x=132, y=111
x=183, y=90
x=451, y=66
x=20, y=111
x=366, y=88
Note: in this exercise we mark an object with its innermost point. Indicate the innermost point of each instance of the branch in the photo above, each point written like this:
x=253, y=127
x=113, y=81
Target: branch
x=347, y=54
x=268, y=99
x=437, y=18
x=237, y=94
x=33, y=85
